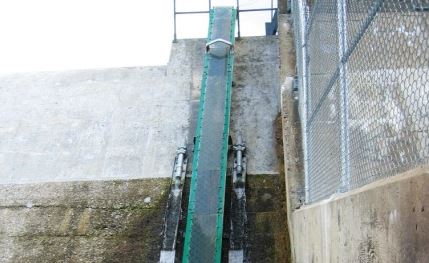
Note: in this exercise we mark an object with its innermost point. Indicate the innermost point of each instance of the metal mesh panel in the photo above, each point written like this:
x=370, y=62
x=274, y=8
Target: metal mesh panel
x=322, y=45
x=367, y=108
x=324, y=137
x=389, y=93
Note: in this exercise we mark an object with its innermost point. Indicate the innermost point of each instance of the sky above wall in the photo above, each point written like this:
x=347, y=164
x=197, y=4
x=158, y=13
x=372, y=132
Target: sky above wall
x=47, y=35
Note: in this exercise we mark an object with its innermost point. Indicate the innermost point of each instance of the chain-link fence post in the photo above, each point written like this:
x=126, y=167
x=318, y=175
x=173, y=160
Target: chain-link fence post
x=303, y=91
x=344, y=103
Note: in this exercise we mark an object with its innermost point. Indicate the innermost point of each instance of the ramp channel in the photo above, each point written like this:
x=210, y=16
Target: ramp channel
x=203, y=237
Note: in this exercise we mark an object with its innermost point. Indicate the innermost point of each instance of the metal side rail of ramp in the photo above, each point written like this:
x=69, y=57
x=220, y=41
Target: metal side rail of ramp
x=203, y=237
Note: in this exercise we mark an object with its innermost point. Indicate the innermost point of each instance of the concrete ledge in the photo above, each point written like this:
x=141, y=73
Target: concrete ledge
x=386, y=221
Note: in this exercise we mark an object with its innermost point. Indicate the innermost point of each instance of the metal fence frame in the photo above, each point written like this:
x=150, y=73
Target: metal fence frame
x=271, y=9
x=305, y=15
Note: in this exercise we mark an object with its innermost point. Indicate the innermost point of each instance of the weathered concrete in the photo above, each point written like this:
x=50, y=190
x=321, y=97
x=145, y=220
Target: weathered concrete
x=266, y=215
x=290, y=117
x=386, y=221
x=98, y=221
x=267, y=236
x=291, y=132
x=255, y=101
x=126, y=123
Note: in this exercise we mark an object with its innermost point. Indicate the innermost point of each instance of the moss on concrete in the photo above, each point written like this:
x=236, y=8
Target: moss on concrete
x=109, y=221
x=268, y=235
x=266, y=212
x=267, y=228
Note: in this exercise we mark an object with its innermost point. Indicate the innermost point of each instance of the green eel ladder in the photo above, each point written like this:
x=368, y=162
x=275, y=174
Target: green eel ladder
x=204, y=223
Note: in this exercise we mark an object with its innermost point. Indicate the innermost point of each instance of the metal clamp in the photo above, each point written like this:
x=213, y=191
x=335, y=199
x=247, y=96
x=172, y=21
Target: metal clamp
x=231, y=46
x=239, y=149
x=181, y=152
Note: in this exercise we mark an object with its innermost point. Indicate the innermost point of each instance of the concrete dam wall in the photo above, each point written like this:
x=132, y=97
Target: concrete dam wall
x=86, y=156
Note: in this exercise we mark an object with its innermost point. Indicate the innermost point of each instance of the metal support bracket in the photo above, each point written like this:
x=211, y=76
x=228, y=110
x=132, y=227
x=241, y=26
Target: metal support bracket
x=219, y=40
x=173, y=212
x=237, y=245
x=239, y=149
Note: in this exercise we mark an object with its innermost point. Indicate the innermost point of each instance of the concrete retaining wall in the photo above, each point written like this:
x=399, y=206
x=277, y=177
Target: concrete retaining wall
x=386, y=221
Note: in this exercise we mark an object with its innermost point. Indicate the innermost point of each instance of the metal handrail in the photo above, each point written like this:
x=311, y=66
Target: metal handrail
x=208, y=11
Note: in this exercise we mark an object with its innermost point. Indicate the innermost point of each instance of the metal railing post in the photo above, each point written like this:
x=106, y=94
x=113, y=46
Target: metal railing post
x=238, y=18
x=175, y=36
x=272, y=10
x=304, y=109
x=342, y=48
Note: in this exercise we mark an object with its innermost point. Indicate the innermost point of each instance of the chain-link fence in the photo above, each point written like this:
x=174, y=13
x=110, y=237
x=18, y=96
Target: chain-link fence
x=363, y=74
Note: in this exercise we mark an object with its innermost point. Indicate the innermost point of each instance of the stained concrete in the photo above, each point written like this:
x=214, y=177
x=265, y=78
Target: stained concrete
x=291, y=127
x=256, y=101
x=386, y=221
x=267, y=239
x=97, y=221
x=294, y=176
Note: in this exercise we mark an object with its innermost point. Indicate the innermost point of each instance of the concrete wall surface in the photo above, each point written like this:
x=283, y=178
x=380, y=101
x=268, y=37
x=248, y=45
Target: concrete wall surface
x=126, y=123
x=386, y=221
x=92, y=125
x=256, y=101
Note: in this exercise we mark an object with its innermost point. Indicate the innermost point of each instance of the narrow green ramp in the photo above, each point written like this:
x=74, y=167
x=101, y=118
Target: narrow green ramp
x=203, y=239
